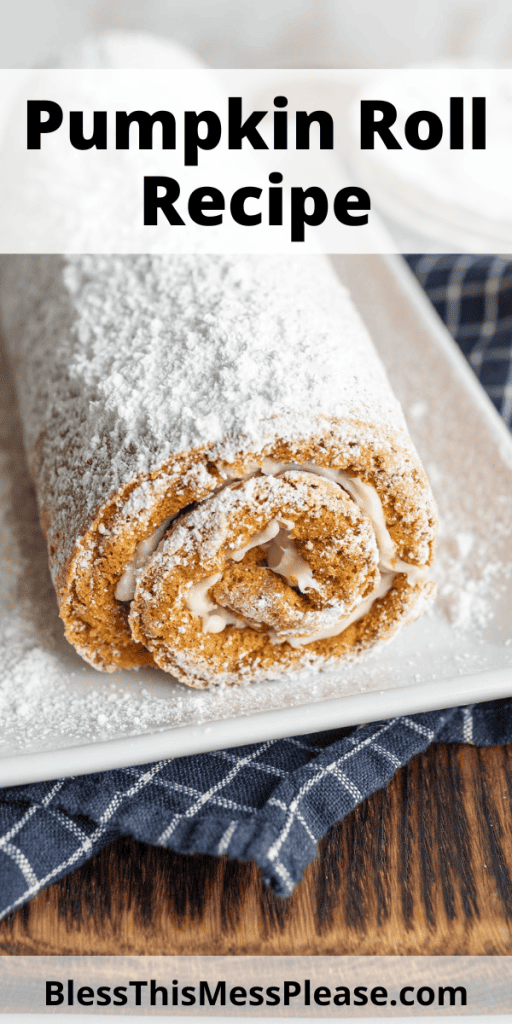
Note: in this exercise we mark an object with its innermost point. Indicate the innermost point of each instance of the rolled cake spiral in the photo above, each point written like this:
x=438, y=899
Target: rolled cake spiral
x=288, y=556
x=225, y=479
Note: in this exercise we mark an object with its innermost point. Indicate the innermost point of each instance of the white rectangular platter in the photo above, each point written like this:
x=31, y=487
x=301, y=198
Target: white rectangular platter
x=61, y=717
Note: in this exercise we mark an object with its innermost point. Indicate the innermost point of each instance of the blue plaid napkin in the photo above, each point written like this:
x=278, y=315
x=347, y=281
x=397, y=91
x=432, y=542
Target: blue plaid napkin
x=270, y=802
x=473, y=295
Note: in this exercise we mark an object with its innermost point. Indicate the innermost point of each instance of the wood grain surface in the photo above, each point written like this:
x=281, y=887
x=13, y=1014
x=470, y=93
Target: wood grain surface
x=423, y=866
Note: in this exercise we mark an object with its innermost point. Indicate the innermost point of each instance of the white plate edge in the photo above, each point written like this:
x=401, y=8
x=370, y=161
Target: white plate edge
x=268, y=725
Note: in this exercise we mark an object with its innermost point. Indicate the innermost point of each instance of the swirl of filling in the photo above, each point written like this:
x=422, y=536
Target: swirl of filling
x=283, y=559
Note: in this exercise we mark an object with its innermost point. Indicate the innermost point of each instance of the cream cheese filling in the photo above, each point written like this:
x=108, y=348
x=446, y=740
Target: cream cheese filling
x=125, y=589
x=283, y=558
x=214, y=617
x=282, y=555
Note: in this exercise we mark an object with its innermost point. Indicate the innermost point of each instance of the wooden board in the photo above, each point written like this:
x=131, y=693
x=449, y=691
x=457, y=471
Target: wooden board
x=423, y=866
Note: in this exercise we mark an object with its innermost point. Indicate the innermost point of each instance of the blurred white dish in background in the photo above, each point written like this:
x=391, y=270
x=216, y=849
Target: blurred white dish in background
x=276, y=33
x=114, y=49
x=443, y=194
x=125, y=49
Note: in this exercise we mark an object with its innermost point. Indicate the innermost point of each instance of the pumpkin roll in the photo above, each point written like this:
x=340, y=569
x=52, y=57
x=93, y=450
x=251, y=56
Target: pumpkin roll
x=225, y=478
